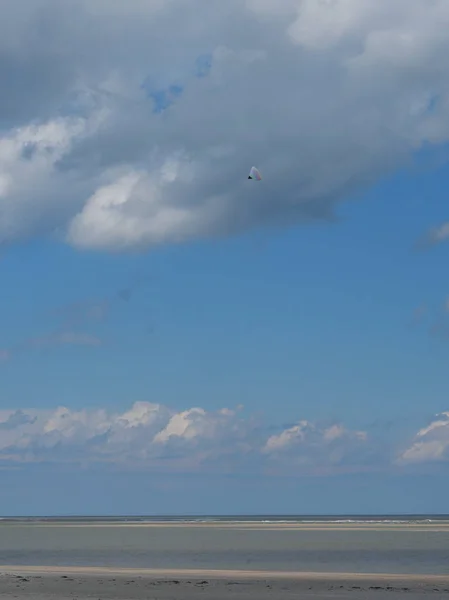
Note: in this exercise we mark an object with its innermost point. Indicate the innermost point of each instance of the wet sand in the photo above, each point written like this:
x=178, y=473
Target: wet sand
x=70, y=583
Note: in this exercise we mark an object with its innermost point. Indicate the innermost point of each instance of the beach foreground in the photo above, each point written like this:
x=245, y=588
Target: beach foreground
x=64, y=583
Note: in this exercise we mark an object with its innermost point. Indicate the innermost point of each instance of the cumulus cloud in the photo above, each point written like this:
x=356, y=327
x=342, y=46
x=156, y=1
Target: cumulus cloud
x=305, y=432
x=318, y=445
x=111, y=138
x=154, y=436
x=430, y=444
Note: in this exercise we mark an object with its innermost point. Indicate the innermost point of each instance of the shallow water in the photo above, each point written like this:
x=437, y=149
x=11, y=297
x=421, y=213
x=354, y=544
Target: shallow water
x=398, y=550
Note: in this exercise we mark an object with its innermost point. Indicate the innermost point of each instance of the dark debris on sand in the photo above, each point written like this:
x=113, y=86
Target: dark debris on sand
x=89, y=587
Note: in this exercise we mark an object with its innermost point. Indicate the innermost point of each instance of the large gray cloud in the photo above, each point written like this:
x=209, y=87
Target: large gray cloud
x=324, y=96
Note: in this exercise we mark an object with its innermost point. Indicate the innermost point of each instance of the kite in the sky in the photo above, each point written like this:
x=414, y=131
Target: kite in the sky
x=255, y=174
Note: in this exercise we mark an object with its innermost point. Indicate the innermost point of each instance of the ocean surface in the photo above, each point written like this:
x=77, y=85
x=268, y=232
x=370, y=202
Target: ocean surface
x=365, y=544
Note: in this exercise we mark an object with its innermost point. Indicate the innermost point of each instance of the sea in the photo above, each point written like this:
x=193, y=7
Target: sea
x=312, y=543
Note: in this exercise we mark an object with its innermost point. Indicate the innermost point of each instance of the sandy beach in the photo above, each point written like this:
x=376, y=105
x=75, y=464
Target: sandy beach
x=64, y=583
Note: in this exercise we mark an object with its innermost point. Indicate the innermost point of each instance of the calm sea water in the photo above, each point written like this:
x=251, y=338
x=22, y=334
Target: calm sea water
x=389, y=549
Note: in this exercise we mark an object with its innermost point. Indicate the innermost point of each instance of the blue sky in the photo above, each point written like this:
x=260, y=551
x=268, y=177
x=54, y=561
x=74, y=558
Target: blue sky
x=318, y=317
x=170, y=331
x=306, y=323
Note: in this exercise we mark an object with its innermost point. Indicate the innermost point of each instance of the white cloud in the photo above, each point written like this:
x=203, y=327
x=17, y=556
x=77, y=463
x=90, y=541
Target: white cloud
x=304, y=431
x=324, y=96
x=152, y=435
x=187, y=425
x=142, y=432
x=132, y=212
x=33, y=194
x=309, y=443
x=430, y=444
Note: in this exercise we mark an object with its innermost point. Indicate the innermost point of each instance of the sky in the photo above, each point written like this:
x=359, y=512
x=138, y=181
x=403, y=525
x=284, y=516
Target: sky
x=176, y=338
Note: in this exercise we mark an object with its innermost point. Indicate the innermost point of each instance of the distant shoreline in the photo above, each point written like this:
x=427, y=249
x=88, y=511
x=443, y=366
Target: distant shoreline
x=241, y=525
x=401, y=517
x=250, y=519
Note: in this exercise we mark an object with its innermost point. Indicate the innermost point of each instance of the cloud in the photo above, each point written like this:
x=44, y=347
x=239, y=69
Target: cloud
x=51, y=340
x=323, y=447
x=305, y=432
x=113, y=139
x=431, y=443
x=439, y=329
x=434, y=236
x=73, y=318
x=54, y=339
x=71, y=338
x=31, y=188
x=151, y=435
